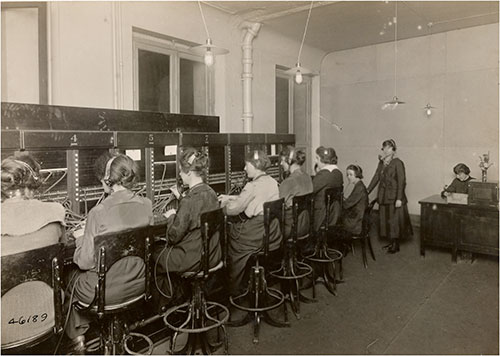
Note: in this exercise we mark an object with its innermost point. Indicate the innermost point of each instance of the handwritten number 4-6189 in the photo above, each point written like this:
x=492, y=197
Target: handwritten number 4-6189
x=31, y=319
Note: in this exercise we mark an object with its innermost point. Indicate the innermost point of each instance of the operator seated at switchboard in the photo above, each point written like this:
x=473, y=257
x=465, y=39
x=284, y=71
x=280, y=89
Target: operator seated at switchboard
x=296, y=183
x=182, y=251
x=27, y=223
x=247, y=228
x=122, y=209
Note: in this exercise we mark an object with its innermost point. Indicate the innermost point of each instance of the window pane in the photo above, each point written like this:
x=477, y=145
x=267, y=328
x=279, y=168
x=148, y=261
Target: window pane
x=154, y=81
x=281, y=105
x=192, y=87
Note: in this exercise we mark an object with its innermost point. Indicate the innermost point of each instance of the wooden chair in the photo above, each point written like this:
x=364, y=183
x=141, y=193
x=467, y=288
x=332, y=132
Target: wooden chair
x=259, y=299
x=364, y=236
x=292, y=270
x=198, y=314
x=323, y=256
x=32, y=308
x=110, y=248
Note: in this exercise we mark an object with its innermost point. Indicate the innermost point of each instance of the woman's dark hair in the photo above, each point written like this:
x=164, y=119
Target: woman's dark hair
x=20, y=172
x=258, y=159
x=194, y=161
x=327, y=155
x=291, y=156
x=461, y=168
x=391, y=143
x=358, y=171
x=118, y=169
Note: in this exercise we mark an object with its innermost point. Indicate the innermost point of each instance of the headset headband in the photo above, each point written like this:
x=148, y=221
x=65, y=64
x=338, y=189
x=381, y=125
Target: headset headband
x=107, y=172
x=26, y=165
x=192, y=158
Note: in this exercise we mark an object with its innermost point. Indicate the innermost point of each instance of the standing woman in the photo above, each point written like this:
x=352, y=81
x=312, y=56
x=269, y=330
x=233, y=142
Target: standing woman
x=297, y=183
x=328, y=176
x=393, y=210
x=183, y=250
x=247, y=230
x=121, y=210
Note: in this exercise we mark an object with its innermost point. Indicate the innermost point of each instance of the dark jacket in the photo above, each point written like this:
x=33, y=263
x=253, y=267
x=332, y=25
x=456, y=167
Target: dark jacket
x=323, y=180
x=391, y=180
x=354, y=209
x=458, y=186
x=183, y=231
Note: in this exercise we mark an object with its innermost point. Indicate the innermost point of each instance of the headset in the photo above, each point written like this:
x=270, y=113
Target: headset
x=35, y=176
x=107, y=172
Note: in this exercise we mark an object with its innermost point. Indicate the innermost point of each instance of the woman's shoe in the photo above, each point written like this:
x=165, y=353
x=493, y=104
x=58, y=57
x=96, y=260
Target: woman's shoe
x=394, y=248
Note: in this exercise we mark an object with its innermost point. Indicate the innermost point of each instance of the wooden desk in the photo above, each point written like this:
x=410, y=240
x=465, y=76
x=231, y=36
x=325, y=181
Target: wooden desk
x=459, y=227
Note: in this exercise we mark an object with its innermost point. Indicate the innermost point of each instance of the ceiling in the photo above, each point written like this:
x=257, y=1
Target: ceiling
x=339, y=25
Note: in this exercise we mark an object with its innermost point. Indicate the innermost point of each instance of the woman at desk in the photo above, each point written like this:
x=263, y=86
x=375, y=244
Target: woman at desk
x=121, y=210
x=27, y=223
x=297, y=183
x=182, y=252
x=461, y=183
x=247, y=230
x=391, y=180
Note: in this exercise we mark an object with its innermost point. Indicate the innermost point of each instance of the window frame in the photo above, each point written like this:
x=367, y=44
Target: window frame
x=176, y=49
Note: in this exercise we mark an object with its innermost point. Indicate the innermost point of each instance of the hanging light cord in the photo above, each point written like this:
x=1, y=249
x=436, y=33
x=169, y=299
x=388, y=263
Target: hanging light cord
x=305, y=31
x=203, y=18
x=395, y=48
x=429, y=26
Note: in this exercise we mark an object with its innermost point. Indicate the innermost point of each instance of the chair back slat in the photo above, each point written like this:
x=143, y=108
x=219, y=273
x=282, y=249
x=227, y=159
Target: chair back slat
x=302, y=204
x=333, y=205
x=213, y=223
x=273, y=210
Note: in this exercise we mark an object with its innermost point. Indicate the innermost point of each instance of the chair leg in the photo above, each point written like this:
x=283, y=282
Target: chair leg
x=363, y=249
x=370, y=246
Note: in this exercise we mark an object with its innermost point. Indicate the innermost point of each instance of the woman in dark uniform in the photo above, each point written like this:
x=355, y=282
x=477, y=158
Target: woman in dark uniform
x=328, y=176
x=247, y=214
x=393, y=210
x=461, y=183
x=297, y=183
x=355, y=204
x=182, y=252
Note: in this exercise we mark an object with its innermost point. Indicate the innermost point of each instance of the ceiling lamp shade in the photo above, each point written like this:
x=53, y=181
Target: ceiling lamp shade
x=395, y=102
x=428, y=109
x=298, y=71
x=207, y=50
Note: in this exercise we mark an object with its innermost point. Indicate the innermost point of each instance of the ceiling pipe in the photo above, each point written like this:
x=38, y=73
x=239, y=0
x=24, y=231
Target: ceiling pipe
x=252, y=29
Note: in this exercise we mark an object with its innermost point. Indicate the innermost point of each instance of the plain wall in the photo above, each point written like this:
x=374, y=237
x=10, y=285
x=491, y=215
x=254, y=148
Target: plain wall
x=92, y=55
x=456, y=71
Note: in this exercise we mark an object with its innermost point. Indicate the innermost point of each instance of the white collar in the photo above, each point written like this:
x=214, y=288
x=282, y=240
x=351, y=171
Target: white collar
x=330, y=167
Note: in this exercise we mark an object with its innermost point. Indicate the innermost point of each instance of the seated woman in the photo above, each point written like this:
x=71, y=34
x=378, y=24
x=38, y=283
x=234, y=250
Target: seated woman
x=246, y=233
x=460, y=183
x=354, y=206
x=182, y=252
x=121, y=210
x=27, y=223
x=328, y=176
x=297, y=183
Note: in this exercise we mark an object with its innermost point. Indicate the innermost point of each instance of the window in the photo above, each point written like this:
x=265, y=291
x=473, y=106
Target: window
x=168, y=78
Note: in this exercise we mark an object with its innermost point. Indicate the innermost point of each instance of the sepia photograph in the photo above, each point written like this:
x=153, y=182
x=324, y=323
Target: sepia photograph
x=249, y=177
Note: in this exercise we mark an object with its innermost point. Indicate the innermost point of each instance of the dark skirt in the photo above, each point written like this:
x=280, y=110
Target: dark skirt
x=394, y=223
x=246, y=238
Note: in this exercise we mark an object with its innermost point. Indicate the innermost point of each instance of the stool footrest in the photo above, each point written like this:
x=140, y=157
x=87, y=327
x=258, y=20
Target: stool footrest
x=271, y=292
x=196, y=330
x=298, y=270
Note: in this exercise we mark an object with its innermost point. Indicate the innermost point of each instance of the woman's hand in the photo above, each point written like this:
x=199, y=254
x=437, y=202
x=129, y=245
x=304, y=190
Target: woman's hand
x=398, y=204
x=169, y=213
x=175, y=191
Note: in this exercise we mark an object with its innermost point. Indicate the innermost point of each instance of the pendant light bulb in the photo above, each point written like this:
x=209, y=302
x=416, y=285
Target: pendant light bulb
x=298, y=77
x=208, y=58
x=428, y=110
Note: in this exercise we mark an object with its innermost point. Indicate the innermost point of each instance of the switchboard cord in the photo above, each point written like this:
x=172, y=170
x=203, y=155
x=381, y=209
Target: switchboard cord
x=69, y=310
